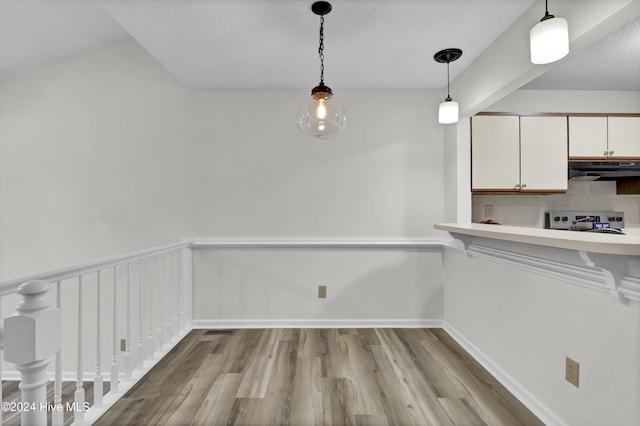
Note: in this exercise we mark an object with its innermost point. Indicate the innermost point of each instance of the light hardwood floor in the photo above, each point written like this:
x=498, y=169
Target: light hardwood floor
x=319, y=377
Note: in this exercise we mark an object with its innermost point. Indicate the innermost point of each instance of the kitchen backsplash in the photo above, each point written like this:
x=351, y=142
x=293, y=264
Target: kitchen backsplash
x=528, y=210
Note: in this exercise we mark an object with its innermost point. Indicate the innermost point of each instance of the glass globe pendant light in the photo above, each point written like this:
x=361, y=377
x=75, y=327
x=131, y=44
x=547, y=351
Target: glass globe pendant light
x=322, y=117
x=549, y=39
x=448, y=111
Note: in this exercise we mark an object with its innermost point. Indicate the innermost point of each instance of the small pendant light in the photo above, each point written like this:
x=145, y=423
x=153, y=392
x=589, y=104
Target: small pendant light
x=322, y=117
x=448, y=112
x=549, y=39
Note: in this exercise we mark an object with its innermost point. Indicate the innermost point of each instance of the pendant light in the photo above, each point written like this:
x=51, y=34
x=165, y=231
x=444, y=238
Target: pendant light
x=549, y=39
x=448, y=112
x=322, y=117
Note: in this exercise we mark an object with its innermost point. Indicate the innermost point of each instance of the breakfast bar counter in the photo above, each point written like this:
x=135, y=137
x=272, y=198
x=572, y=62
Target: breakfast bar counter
x=628, y=244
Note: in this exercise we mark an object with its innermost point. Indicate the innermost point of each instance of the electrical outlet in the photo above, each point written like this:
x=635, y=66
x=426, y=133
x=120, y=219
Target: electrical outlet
x=322, y=291
x=572, y=372
x=488, y=211
x=123, y=345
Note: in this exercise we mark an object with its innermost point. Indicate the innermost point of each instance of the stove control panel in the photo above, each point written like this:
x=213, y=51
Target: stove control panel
x=581, y=221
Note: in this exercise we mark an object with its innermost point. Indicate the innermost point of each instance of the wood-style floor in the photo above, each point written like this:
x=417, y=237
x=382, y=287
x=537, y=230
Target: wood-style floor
x=11, y=393
x=319, y=377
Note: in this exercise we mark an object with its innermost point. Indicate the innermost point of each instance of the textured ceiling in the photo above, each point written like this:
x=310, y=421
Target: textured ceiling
x=613, y=63
x=273, y=43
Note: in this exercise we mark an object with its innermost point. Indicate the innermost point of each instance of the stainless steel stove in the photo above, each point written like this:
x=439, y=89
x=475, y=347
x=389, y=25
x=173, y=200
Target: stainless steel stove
x=603, y=221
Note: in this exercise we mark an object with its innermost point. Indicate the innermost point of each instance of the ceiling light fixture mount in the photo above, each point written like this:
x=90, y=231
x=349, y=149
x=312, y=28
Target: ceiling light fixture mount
x=448, y=111
x=549, y=38
x=322, y=118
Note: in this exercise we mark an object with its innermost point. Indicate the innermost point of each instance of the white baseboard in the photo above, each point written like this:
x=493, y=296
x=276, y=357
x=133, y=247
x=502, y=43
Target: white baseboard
x=318, y=323
x=531, y=402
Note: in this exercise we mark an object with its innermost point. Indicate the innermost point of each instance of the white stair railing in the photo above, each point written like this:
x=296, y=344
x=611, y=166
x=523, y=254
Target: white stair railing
x=155, y=272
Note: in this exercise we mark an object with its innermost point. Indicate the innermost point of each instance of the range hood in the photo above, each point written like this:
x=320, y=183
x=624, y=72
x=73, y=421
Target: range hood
x=604, y=170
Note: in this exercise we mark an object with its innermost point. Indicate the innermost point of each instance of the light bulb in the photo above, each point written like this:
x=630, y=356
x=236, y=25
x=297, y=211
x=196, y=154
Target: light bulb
x=321, y=111
x=322, y=118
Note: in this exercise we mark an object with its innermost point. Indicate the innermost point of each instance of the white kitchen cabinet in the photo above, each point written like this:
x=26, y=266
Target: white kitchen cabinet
x=587, y=137
x=495, y=152
x=519, y=154
x=543, y=154
x=624, y=137
x=601, y=138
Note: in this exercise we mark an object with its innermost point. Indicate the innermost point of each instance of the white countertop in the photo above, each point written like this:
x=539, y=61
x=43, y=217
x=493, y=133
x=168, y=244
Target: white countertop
x=628, y=244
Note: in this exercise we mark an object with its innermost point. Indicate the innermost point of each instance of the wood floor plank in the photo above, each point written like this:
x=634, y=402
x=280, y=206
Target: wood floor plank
x=361, y=372
x=192, y=396
x=440, y=380
x=330, y=377
x=313, y=342
x=307, y=403
x=491, y=399
x=368, y=336
x=218, y=403
x=339, y=397
x=258, y=369
x=399, y=405
x=372, y=420
x=460, y=412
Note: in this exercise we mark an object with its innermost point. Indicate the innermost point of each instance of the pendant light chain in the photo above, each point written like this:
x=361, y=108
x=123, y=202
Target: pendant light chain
x=321, y=50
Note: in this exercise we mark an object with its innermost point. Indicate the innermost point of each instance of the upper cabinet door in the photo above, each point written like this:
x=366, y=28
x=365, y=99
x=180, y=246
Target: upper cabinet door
x=624, y=137
x=543, y=153
x=495, y=152
x=587, y=137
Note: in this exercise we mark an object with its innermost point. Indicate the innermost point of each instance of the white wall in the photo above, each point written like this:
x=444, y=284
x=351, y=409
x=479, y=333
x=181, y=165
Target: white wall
x=527, y=324
x=105, y=153
x=365, y=287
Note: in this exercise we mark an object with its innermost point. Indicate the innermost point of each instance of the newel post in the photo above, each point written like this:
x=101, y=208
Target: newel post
x=31, y=339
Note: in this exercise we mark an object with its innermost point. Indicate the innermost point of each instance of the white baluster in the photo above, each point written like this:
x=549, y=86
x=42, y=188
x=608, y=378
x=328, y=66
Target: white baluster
x=151, y=349
x=140, y=357
x=187, y=289
x=31, y=338
x=180, y=282
x=57, y=416
x=127, y=349
x=78, y=395
x=168, y=325
x=175, y=280
x=160, y=300
x=114, y=349
x=98, y=380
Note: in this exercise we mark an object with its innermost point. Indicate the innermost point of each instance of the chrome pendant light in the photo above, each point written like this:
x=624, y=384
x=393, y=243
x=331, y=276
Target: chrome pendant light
x=549, y=39
x=448, y=111
x=322, y=117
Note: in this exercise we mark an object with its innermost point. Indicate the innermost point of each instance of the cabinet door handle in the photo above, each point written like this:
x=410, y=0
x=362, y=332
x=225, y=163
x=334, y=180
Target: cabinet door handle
x=610, y=153
x=524, y=185
x=517, y=186
x=606, y=153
